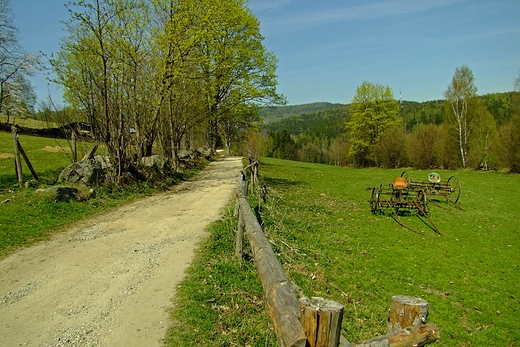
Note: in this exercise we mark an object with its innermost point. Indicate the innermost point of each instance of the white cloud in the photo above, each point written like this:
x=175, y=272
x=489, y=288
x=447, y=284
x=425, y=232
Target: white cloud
x=315, y=16
x=268, y=5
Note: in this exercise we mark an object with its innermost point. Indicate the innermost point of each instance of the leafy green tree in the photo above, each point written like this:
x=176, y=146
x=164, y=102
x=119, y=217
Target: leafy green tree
x=390, y=150
x=282, y=146
x=482, y=137
x=459, y=95
x=238, y=121
x=230, y=56
x=16, y=93
x=373, y=109
x=424, y=145
x=509, y=144
x=509, y=135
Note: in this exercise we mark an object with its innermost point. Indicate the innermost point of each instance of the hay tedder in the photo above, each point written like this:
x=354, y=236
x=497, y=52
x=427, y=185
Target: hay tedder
x=404, y=195
x=434, y=187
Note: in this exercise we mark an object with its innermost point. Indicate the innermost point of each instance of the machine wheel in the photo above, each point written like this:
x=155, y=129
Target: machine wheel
x=422, y=200
x=454, y=186
x=374, y=203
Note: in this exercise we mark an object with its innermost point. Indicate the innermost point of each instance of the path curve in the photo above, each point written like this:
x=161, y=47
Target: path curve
x=109, y=280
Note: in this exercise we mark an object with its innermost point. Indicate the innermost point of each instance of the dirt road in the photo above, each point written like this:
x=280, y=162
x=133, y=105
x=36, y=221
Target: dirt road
x=109, y=281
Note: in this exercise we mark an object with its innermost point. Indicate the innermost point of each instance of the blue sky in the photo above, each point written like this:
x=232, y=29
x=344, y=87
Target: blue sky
x=327, y=48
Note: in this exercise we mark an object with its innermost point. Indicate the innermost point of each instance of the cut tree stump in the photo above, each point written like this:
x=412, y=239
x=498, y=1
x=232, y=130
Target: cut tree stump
x=321, y=321
x=406, y=311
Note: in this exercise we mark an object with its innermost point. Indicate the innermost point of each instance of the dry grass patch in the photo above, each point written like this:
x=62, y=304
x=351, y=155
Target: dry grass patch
x=57, y=149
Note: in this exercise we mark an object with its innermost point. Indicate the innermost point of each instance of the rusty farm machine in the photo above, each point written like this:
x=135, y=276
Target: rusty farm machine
x=406, y=195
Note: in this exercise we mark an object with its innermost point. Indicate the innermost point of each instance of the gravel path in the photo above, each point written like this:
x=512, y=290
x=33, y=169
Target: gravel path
x=109, y=280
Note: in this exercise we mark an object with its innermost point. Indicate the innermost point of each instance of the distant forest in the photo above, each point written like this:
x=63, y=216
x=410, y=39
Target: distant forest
x=317, y=133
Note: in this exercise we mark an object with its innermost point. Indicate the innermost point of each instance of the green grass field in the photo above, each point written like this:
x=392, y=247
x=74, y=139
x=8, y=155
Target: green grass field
x=28, y=122
x=330, y=244
x=28, y=217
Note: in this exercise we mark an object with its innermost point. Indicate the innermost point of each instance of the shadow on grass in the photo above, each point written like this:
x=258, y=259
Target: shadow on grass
x=280, y=182
x=49, y=177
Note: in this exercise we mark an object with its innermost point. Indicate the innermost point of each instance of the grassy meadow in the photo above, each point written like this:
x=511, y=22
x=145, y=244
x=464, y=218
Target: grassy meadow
x=28, y=122
x=319, y=222
x=27, y=217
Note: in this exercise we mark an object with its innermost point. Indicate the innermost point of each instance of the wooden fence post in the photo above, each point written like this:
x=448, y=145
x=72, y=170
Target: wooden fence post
x=241, y=192
x=18, y=162
x=240, y=237
x=74, y=148
x=27, y=161
x=321, y=321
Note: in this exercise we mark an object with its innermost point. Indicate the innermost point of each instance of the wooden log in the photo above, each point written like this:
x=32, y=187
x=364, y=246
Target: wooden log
x=406, y=311
x=284, y=308
x=90, y=154
x=410, y=337
x=321, y=321
x=18, y=161
x=74, y=147
x=27, y=161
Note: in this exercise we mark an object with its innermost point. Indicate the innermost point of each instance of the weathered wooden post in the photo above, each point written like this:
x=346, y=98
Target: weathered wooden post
x=241, y=192
x=321, y=321
x=27, y=161
x=406, y=311
x=74, y=149
x=18, y=162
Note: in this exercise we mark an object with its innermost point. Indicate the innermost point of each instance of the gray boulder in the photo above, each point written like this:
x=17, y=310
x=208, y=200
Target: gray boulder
x=184, y=154
x=104, y=160
x=206, y=152
x=61, y=194
x=89, y=173
x=155, y=161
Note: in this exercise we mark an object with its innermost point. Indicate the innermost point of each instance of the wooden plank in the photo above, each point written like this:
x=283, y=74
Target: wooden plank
x=282, y=302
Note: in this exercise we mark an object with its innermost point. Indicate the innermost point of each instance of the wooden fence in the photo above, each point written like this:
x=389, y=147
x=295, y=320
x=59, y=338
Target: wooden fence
x=316, y=322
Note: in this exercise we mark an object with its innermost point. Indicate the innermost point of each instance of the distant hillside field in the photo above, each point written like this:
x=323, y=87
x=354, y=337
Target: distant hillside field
x=274, y=114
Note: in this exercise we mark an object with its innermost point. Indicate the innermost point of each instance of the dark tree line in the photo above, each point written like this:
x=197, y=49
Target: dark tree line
x=423, y=139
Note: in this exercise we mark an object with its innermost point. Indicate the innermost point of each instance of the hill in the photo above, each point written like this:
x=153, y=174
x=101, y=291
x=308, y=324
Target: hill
x=274, y=114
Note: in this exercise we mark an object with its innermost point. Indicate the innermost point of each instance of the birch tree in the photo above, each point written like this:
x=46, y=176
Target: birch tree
x=459, y=95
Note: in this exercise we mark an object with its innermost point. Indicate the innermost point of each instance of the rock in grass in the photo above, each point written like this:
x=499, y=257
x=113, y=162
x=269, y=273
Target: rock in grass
x=61, y=194
x=88, y=172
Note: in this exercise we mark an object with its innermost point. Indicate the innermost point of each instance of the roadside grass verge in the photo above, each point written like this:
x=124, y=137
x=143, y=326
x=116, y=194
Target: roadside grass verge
x=29, y=217
x=318, y=220
x=220, y=300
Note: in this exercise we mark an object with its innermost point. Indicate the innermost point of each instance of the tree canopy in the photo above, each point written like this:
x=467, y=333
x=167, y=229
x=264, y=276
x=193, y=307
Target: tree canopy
x=373, y=109
x=161, y=71
x=16, y=93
